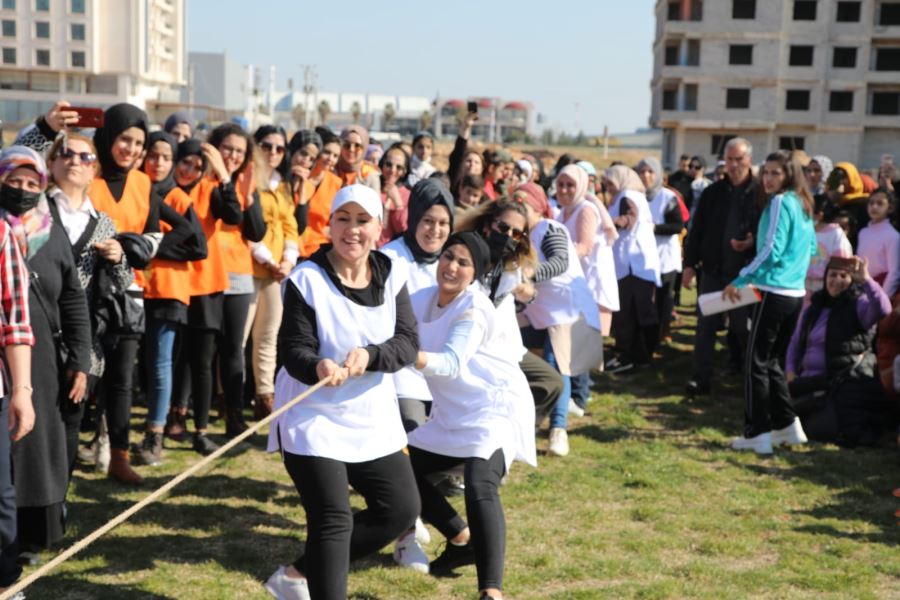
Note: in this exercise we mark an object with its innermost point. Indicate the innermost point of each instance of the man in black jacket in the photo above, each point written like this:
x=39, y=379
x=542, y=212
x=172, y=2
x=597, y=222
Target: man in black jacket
x=720, y=243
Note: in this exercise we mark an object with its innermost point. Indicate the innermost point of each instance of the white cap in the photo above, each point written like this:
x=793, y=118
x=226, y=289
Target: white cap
x=363, y=195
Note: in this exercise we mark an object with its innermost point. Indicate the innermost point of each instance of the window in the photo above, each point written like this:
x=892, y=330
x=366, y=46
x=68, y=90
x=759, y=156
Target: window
x=840, y=102
x=797, y=100
x=77, y=31
x=77, y=7
x=886, y=103
x=804, y=10
x=887, y=59
x=9, y=56
x=75, y=84
x=848, y=12
x=693, y=53
x=672, y=53
x=103, y=84
x=42, y=58
x=676, y=10
x=42, y=30
x=78, y=59
x=9, y=28
x=791, y=143
x=670, y=99
x=44, y=82
x=801, y=56
x=844, y=57
x=13, y=80
x=42, y=5
x=9, y=4
x=690, y=96
x=743, y=9
x=737, y=98
x=717, y=147
x=889, y=14
x=740, y=54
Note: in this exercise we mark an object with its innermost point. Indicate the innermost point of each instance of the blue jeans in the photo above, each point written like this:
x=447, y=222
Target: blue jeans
x=581, y=389
x=159, y=343
x=559, y=416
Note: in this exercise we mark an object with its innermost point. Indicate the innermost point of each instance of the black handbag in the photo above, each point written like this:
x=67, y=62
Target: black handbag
x=59, y=342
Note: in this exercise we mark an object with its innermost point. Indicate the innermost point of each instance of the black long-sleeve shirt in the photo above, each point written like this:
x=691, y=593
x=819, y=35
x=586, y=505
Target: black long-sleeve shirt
x=555, y=249
x=298, y=340
x=673, y=221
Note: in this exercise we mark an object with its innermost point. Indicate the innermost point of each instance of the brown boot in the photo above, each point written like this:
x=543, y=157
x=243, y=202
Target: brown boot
x=176, y=424
x=262, y=406
x=120, y=468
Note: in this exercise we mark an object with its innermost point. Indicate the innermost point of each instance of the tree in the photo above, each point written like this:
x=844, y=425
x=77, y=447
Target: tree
x=298, y=114
x=425, y=121
x=324, y=110
x=355, y=111
x=388, y=116
x=547, y=137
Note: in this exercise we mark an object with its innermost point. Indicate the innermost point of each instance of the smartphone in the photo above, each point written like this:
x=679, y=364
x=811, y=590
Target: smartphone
x=472, y=107
x=88, y=117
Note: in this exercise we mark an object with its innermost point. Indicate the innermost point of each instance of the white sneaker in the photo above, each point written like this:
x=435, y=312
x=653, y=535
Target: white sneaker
x=761, y=444
x=102, y=453
x=574, y=409
x=283, y=587
x=792, y=435
x=422, y=535
x=409, y=554
x=559, y=442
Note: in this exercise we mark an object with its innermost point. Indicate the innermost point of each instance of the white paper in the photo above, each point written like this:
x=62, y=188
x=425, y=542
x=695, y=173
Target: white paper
x=713, y=303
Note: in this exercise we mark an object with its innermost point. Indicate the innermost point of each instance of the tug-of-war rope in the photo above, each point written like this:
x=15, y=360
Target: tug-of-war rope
x=122, y=517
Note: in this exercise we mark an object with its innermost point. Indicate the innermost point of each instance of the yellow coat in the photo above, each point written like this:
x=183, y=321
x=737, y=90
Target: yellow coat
x=281, y=225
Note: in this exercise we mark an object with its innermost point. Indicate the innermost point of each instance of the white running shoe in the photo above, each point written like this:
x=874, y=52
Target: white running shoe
x=102, y=453
x=792, y=435
x=574, y=409
x=761, y=444
x=409, y=554
x=559, y=442
x=283, y=587
x=422, y=534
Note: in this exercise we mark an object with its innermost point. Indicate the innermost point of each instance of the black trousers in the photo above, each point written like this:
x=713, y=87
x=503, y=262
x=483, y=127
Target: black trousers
x=9, y=547
x=636, y=323
x=231, y=350
x=335, y=534
x=768, y=400
x=487, y=524
x=708, y=327
x=545, y=382
x=665, y=304
x=118, y=382
x=194, y=373
x=413, y=412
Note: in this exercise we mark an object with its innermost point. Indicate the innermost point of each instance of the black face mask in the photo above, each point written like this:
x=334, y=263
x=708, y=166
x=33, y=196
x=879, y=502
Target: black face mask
x=17, y=201
x=501, y=245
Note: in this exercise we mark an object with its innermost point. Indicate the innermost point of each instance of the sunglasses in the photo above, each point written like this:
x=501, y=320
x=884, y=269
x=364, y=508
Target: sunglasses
x=390, y=165
x=351, y=145
x=268, y=147
x=695, y=167
x=86, y=158
x=507, y=229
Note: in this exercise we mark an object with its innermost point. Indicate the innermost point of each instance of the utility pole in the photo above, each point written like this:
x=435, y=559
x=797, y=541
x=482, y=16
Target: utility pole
x=310, y=86
x=190, y=90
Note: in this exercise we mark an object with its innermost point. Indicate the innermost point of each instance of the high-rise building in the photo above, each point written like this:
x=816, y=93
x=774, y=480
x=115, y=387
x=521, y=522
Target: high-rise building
x=817, y=75
x=90, y=52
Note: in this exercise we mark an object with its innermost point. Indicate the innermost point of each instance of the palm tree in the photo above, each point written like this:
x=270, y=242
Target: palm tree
x=299, y=116
x=425, y=121
x=355, y=111
x=324, y=110
x=388, y=116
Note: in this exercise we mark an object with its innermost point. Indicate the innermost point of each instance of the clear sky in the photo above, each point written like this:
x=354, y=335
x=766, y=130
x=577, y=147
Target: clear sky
x=582, y=63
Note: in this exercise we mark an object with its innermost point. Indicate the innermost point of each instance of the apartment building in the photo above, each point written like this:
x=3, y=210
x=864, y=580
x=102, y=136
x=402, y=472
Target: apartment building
x=90, y=52
x=817, y=75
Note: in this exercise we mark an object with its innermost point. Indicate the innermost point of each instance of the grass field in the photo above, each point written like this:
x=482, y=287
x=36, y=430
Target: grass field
x=650, y=504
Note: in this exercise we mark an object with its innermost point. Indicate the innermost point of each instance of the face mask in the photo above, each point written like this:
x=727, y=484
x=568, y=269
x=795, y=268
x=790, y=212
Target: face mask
x=501, y=245
x=18, y=201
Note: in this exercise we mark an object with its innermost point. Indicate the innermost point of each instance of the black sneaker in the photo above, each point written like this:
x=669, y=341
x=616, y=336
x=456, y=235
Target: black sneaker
x=204, y=445
x=451, y=558
x=151, y=448
x=451, y=485
x=696, y=388
x=618, y=366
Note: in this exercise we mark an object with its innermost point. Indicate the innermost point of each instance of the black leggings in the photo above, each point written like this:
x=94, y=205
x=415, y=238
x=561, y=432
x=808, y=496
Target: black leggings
x=483, y=508
x=231, y=350
x=194, y=373
x=118, y=380
x=335, y=535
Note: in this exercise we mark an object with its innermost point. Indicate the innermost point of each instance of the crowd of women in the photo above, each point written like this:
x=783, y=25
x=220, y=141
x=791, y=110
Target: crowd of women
x=449, y=313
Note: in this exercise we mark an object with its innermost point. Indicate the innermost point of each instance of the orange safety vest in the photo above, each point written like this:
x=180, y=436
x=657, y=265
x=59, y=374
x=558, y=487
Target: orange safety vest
x=316, y=232
x=209, y=275
x=130, y=212
x=170, y=279
x=235, y=249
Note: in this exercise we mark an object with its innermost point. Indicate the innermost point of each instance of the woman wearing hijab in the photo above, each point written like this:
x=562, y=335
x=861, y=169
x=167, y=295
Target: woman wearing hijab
x=637, y=269
x=668, y=223
x=274, y=257
x=817, y=173
x=92, y=235
x=125, y=194
x=347, y=319
x=483, y=412
x=351, y=166
x=845, y=187
x=322, y=185
x=59, y=319
x=180, y=126
x=167, y=293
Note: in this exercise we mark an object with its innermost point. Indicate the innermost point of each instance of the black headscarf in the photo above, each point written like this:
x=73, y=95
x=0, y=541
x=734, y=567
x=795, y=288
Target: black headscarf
x=304, y=138
x=191, y=147
x=116, y=119
x=478, y=248
x=822, y=300
x=425, y=194
x=168, y=184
